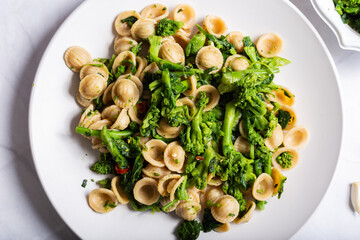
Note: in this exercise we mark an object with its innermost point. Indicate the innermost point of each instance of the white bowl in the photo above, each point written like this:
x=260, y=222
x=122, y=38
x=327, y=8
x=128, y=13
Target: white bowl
x=348, y=38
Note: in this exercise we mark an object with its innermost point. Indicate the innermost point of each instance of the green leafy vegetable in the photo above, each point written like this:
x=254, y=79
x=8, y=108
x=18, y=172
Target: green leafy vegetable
x=349, y=10
x=105, y=183
x=285, y=159
x=209, y=223
x=188, y=230
x=84, y=183
x=129, y=20
x=168, y=27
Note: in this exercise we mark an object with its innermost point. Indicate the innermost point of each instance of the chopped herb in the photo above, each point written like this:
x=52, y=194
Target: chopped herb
x=84, y=183
x=92, y=180
x=108, y=205
x=261, y=190
x=156, y=174
x=180, y=10
x=176, y=161
x=231, y=215
x=211, y=204
x=164, y=8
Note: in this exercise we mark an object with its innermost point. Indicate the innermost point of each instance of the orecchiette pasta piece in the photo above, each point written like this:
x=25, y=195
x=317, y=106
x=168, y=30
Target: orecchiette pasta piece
x=118, y=191
x=98, y=125
x=172, y=52
x=293, y=118
x=193, y=195
x=144, y=140
x=123, y=28
x=133, y=116
x=243, y=134
x=124, y=44
x=296, y=137
x=145, y=191
x=167, y=131
x=98, y=199
x=125, y=93
x=277, y=177
x=143, y=28
x=122, y=121
x=82, y=101
x=107, y=98
x=212, y=93
x=94, y=68
x=215, y=25
x=193, y=81
x=188, y=210
x=174, y=156
x=236, y=38
x=174, y=187
x=156, y=11
x=166, y=200
x=276, y=138
x=263, y=187
x=168, y=38
x=269, y=45
x=226, y=209
x=213, y=194
x=237, y=62
x=209, y=57
x=151, y=68
x=212, y=180
x=135, y=79
x=154, y=152
x=141, y=63
x=164, y=181
x=284, y=97
x=92, y=86
x=111, y=113
x=182, y=38
x=186, y=14
x=246, y=215
x=155, y=172
x=223, y=228
x=124, y=58
x=187, y=102
x=76, y=57
x=89, y=116
x=242, y=145
x=294, y=157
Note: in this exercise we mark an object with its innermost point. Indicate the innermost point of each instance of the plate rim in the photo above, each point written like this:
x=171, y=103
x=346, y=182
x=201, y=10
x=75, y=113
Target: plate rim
x=78, y=8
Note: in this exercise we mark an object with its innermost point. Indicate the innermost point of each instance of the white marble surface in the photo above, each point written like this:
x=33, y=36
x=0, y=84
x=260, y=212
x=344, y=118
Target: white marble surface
x=27, y=26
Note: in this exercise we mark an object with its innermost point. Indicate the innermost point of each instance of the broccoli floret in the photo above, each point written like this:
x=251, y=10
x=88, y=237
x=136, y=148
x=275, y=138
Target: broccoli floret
x=105, y=165
x=188, y=230
x=150, y=121
x=285, y=159
x=192, y=136
x=168, y=27
x=105, y=183
x=284, y=117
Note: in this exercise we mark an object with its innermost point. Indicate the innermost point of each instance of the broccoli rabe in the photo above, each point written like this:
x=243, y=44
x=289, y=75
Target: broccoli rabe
x=105, y=183
x=129, y=20
x=195, y=44
x=188, y=230
x=281, y=187
x=284, y=117
x=285, y=159
x=349, y=10
x=168, y=27
x=192, y=137
x=105, y=165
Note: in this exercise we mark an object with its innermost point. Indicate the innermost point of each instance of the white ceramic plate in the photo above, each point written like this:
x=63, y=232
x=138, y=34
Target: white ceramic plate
x=63, y=158
x=348, y=38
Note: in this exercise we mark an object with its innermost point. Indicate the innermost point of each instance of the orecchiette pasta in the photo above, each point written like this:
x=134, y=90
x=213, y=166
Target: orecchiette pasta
x=293, y=118
x=125, y=93
x=263, y=187
x=126, y=59
x=209, y=57
x=187, y=102
x=145, y=191
x=174, y=156
x=141, y=63
x=155, y=11
x=155, y=172
x=186, y=14
x=276, y=138
x=76, y=57
x=151, y=68
x=237, y=63
x=188, y=210
x=124, y=44
x=82, y=101
x=283, y=96
x=164, y=182
x=122, y=27
x=182, y=38
x=89, y=116
x=236, y=38
x=192, y=89
x=143, y=28
x=276, y=176
x=118, y=191
x=269, y=45
x=223, y=228
x=107, y=98
x=294, y=158
x=296, y=137
x=122, y=121
x=111, y=113
x=133, y=116
x=174, y=187
x=242, y=145
x=226, y=209
x=167, y=131
x=166, y=200
x=215, y=25
x=172, y=52
x=135, y=79
x=154, y=152
x=212, y=180
x=94, y=68
x=213, y=194
x=92, y=86
x=98, y=198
